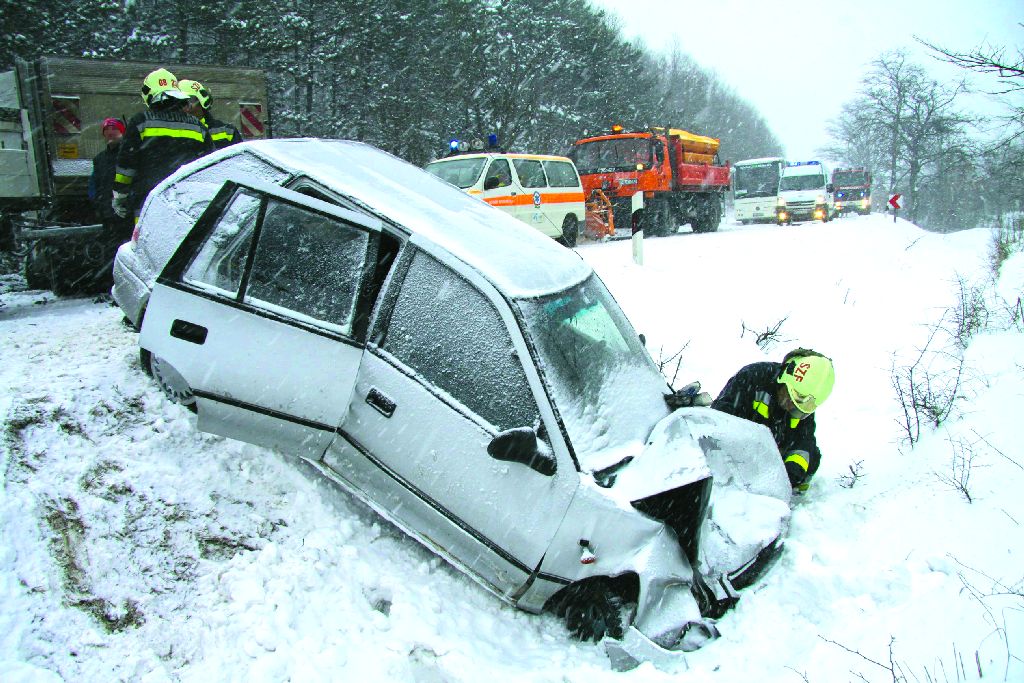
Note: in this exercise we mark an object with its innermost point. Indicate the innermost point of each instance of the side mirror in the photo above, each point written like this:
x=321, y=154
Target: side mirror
x=491, y=183
x=520, y=445
x=830, y=188
x=643, y=339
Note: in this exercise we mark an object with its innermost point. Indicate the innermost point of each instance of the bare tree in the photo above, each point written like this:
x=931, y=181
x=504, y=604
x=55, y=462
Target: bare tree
x=1005, y=64
x=903, y=121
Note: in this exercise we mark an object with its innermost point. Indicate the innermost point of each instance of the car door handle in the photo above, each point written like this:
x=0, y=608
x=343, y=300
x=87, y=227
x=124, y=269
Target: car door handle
x=381, y=403
x=190, y=332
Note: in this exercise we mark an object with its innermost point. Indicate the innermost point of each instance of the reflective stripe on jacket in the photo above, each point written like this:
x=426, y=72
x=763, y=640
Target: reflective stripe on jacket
x=155, y=145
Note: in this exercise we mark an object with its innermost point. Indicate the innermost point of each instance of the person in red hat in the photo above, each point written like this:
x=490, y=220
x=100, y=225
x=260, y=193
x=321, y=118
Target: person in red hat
x=116, y=229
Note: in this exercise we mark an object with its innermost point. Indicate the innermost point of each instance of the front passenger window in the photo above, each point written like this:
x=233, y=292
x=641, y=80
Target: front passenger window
x=450, y=334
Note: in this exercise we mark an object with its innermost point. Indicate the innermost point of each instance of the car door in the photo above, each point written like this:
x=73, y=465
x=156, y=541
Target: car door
x=441, y=378
x=538, y=207
x=263, y=310
x=501, y=189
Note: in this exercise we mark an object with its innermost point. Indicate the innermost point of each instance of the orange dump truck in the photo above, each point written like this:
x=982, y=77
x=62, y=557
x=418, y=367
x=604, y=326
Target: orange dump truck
x=677, y=171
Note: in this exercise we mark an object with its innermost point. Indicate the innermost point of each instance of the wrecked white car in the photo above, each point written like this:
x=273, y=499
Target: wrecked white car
x=469, y=379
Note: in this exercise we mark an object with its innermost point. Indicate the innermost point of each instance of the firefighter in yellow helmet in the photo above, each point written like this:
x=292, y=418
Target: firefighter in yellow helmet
x=156, y=142
x=784, y=397
x=200, y=101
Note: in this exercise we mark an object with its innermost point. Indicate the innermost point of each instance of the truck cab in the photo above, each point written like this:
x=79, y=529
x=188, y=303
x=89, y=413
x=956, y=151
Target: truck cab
x=805, y=193
x=852, y=190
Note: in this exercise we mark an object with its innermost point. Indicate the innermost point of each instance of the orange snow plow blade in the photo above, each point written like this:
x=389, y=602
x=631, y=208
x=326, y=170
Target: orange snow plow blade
x=600, y=218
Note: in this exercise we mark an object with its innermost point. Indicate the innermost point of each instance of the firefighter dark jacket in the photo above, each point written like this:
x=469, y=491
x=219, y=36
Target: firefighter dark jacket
x=101, y=182
x=223, y=134
x=155, y=144
x=752, y=395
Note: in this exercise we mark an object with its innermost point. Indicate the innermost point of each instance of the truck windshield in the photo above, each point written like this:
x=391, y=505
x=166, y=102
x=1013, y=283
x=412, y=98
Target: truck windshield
x=605, y=386
x=461, y=173
x=802, y=182
x=850, y=179
x=761, y=180
x=609, y=155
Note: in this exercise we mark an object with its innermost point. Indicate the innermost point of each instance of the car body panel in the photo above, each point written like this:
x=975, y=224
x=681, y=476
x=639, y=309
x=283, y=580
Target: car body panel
x=403, y=410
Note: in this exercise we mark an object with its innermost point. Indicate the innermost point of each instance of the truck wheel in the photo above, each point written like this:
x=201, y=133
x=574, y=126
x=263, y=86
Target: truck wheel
x=570, y=231
x=708, y=219
x=37, y=271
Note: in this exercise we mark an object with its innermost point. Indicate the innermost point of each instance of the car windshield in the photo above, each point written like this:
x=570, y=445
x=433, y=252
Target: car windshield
x=756, y=181
x=850, y=179
x=605, y=386
x=802, y=182
x=592, y=157
x=461, y=173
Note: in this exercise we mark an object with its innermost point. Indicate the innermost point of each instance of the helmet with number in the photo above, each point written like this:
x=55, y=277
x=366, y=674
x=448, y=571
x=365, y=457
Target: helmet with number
x=159, y=86
x=197, y=90
x=809, y=377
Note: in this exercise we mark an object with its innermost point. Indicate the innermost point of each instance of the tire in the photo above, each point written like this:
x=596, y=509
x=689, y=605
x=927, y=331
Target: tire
x=570, y=231
x=37, y=271
x=170, y=381
x=709, y=219
x=591, y=609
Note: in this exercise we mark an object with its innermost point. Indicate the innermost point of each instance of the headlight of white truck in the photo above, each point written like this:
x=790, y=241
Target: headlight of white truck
x=780, y=202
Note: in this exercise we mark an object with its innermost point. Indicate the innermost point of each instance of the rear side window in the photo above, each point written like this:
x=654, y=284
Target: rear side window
x=450, y=334
x=221, y=260
x=530, y=172
x=561, y=174
x=308, y=263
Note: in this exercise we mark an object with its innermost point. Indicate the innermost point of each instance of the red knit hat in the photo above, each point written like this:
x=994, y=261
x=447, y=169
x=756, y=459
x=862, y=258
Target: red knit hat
x=116, y=123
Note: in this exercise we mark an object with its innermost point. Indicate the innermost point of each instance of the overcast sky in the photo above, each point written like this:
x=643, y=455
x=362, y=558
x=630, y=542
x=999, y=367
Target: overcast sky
x=798, y=61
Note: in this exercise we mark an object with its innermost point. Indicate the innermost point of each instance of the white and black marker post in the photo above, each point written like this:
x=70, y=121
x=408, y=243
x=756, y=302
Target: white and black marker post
x=637, y=217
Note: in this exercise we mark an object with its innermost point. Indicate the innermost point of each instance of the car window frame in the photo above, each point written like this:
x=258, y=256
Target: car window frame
x=371, y=277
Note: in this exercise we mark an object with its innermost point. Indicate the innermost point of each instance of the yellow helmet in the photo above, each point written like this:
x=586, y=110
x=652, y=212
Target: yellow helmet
x=197, y=90
x=160, y=85
x=809, y=379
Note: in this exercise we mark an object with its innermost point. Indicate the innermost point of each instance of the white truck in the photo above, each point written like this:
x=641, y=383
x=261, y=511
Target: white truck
x=805, y=193
x=755, y=189
x=51, y=110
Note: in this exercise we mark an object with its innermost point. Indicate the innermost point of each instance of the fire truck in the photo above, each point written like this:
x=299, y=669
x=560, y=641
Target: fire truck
x=51, y=110
x=852, y=190
x=678, y=173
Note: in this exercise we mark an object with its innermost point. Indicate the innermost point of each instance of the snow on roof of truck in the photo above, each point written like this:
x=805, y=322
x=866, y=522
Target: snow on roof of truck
x=761, y=160
x=518, y=259
x=794, y=168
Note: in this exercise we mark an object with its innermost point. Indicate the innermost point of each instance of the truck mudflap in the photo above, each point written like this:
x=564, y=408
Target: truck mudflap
x=635, y=648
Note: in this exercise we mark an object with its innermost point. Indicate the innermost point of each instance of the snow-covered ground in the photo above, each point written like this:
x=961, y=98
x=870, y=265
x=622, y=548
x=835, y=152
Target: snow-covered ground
x=134, y=548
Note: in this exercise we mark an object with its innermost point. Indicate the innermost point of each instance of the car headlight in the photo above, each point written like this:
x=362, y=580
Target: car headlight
x=820, y=199
x=780, y=202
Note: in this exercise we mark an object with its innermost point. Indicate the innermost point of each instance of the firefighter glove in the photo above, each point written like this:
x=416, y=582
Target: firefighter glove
x=120, y=204
x=688, y=396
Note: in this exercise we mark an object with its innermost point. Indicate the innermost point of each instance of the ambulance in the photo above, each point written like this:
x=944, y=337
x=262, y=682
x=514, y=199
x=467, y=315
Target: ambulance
x=542, y=190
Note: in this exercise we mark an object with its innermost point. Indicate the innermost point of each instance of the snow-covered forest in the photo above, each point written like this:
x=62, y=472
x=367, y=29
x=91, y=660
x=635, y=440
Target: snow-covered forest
x=407, y=75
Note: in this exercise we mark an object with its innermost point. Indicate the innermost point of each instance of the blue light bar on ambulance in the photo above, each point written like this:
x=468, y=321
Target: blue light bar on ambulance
x=453, y=145
x=803, y=163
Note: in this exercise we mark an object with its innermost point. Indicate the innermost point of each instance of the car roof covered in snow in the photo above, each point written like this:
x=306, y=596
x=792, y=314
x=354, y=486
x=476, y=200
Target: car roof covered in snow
x=517, y=259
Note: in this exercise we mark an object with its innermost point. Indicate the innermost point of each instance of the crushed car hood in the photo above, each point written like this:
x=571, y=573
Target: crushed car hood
x=694, y=443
